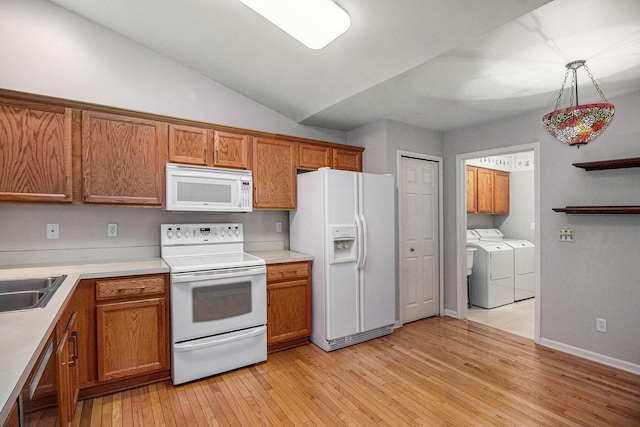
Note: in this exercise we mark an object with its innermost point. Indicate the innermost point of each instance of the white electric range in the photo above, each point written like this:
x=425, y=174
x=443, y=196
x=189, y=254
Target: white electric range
x=218, y=300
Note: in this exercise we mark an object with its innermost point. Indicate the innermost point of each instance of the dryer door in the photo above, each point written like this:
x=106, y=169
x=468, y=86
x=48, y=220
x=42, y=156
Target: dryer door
x=525, y=260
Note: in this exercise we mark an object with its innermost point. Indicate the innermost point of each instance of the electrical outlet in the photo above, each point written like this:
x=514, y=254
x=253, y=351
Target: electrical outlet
x=566, y=234
x=601, y=325
x=278, y=227
x=53, y=231
x=112, y=230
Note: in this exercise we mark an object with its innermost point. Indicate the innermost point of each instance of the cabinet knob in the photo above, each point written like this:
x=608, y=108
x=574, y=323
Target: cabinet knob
x=411, y=250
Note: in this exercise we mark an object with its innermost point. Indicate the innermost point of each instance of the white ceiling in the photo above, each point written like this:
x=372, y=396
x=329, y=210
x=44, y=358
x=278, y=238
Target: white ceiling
x=437, y=64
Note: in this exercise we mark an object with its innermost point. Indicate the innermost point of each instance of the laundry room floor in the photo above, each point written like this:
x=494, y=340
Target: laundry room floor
x=517, y=318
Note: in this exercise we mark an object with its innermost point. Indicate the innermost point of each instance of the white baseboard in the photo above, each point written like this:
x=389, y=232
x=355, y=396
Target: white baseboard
x=451, y=313
x=590, y=355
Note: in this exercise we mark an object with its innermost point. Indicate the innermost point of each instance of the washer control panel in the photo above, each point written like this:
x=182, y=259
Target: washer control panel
x=183, y=234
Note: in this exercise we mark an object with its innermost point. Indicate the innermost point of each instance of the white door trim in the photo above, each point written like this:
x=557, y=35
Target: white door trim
x=461, y=223
x=400, y=154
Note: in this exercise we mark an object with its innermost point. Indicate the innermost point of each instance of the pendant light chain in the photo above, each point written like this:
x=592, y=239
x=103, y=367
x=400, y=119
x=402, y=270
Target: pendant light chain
x=564, y=82
x=595, y=84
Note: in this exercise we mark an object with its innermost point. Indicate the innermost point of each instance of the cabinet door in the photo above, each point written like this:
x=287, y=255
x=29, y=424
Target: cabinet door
x=472, y=197
x=231, y=150
x=500, y=192
x=123, y=159
x=485, y=190
x=35, y=152
x=312, y=157
x=66, y=358
x=348, y=160
x=274, y=174
x=132, y=338
x=188, y=144
x=288, y=310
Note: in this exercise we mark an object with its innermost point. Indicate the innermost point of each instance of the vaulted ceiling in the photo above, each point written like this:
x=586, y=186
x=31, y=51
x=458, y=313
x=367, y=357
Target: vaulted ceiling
x=437, y=64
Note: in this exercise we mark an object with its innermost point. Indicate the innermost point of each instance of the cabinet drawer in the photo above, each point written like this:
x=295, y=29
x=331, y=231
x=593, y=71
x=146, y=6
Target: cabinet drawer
x=294, y=270
x=130, y=286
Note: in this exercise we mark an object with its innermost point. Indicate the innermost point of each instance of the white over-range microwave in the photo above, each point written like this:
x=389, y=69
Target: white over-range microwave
x=206, y=189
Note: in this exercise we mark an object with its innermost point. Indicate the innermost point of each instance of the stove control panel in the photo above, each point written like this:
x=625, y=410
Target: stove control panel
x=184, y=234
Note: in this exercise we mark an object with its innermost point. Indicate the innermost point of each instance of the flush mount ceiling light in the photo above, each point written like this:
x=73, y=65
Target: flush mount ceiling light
x=314, y=23
x=578, y=124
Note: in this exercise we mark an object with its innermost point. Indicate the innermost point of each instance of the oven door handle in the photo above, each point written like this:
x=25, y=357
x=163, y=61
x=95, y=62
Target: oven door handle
x=212, y=342
x=217, y=274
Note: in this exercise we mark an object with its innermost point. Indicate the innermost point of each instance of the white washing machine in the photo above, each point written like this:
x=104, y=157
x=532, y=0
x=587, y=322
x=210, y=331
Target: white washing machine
x=492, y=278
x=524, y=257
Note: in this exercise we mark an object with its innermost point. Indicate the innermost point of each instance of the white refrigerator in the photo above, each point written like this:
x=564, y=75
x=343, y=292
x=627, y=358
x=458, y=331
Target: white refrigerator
x=346, y=221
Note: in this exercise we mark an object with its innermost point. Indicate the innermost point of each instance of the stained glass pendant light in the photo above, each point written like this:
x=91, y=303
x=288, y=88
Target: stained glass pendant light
x=577, y=124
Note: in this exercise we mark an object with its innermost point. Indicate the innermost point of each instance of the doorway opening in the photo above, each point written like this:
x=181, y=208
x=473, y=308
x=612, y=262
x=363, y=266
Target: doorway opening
x=507, y=301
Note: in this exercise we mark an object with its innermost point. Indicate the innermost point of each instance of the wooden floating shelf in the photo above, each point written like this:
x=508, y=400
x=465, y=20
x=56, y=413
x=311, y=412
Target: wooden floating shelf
x=633, y=162
x=599, y=209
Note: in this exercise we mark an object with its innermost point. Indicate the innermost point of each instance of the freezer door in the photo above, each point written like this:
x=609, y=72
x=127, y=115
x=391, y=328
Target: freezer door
x=342, y=299
x=378, y=263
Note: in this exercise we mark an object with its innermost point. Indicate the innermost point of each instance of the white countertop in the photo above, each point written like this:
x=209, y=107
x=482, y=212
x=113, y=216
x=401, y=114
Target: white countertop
x=23, y=334
x=281, y=256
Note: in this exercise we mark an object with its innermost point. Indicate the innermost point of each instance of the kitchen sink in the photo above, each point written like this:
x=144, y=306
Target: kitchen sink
x=20, y=285
x=26, y=294
x=20, y=300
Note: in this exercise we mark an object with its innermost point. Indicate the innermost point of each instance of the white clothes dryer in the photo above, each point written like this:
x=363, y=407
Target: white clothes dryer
x=524, y=257
x=492, y=278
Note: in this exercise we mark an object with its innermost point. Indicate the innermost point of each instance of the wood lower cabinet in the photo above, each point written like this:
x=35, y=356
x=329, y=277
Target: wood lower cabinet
x=274, y=174
x=123, y=159
x=67, y=366
x=125, y=322
x=288, y=305
x=132, y=338
x=347, y=159
x=35, y=152
x=13, y=419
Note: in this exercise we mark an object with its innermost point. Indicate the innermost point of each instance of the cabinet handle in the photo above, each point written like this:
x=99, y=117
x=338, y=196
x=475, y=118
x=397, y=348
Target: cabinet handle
x=288, y=272
x=74, y=356
x=268, y=297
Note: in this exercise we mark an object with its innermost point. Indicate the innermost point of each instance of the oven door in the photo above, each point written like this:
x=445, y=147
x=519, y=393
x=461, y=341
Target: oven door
x=215, y=302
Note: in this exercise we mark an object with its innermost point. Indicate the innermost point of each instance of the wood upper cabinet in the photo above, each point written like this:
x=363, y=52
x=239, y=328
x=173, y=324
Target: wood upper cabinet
x=231, y=150
x=132, y=334
x=485, y=190
x=500, y=192
x=288, y=304
x=123, y=159
x=349, y=160
x=274, y=174
x=206, y=147
x=35, y=152
x=312, y=157
x=472, y=191
x=189, y=144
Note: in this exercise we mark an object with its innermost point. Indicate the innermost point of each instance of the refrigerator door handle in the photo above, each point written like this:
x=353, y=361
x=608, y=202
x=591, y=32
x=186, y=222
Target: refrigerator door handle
x=359, y=241
x=364, y=241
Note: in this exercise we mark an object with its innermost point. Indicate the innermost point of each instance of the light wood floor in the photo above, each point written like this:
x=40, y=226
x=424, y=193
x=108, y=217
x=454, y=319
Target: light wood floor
x=438, y=371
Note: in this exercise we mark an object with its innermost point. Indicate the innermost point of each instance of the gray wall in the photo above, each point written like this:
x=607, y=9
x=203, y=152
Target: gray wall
x=598, y=275
x=382, y=140
x=48, y=50
x=517, y=225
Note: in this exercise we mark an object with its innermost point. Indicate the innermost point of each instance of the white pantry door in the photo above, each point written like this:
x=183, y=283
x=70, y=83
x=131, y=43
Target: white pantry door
x=419, y=244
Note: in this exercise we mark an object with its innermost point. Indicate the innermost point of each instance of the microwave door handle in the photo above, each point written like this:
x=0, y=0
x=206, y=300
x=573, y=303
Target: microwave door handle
x=239, y=185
